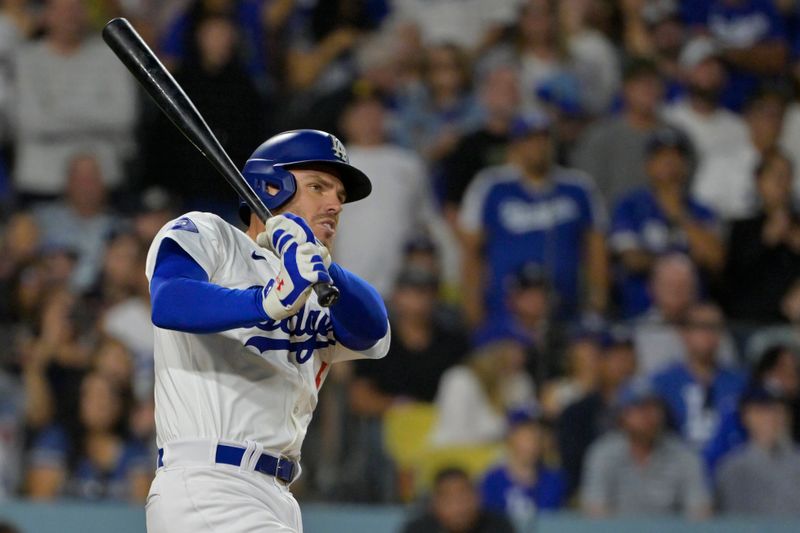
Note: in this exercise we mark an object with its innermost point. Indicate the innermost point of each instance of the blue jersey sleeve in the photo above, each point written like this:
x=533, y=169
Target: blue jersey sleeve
x=359, y=318
x=50, y=448
x=184, y=300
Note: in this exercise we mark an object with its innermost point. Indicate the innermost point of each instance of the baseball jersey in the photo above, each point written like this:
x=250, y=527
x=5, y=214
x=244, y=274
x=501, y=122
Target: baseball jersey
x=639, y=223
x=696, y=409
x=522, y=224
x=256, y=383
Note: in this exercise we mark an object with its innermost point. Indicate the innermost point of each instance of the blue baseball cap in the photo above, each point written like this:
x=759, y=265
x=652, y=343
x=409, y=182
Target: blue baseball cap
x=525, y=414
x=529, y=124
x=500, y=331
x=637, y=392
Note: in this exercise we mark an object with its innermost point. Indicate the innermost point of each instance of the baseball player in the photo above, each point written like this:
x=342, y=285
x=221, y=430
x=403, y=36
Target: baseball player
x=242, y=345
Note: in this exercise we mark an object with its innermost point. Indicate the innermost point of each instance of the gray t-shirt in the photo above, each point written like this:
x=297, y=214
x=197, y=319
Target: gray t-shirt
x=613, y=153
x=670, y=482
x=756, y=481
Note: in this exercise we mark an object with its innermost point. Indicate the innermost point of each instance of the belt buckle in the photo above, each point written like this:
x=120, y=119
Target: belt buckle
x=283, y=464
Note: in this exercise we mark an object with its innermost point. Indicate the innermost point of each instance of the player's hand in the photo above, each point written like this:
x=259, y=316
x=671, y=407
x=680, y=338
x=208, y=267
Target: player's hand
x=302, y=267
x=281, y=231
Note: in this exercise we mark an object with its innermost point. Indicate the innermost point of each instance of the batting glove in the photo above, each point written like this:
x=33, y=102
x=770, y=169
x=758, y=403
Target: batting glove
x=283, y=230
x=302, y=267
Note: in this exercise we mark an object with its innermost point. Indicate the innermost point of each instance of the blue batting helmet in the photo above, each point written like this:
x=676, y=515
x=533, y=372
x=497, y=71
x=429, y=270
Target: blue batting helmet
x=270, y=163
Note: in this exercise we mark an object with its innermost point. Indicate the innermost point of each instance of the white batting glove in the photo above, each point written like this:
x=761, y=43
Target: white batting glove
x=302, y=267
x=283, y=230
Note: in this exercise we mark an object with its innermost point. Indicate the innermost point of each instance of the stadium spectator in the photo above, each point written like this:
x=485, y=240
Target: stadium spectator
x=583, y=354
x=778, y=334
x=213, y=74
x=643, y=469
x=715, y=132
x=12, y=424
x=763, y=476
x=752, y=35
x=404, y=203
x=433, y=118
x=698, y=391
x=473, y=397
x=19, y=246
x=660, y=218
x=487, y=145
x=612, y=150
x=532, y=211
x=764, y=250
x=523, y=485
x=98, y=462
x=583, y=421
x=155, y=207
x=530, y=302
x=71, y=96
x=726, y=182
x=81, y=220
x=674, y=290
x=16, y=24
x=423, y=347
x=455, y=507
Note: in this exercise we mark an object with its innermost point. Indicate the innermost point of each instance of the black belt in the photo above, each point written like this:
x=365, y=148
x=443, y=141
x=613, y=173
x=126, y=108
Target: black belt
x=282, y=468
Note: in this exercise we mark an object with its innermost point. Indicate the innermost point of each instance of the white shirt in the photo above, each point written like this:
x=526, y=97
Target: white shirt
x=247, y=384
x=371, y=236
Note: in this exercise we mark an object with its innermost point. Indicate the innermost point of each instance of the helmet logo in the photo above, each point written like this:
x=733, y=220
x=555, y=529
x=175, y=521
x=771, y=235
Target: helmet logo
x=338, y=149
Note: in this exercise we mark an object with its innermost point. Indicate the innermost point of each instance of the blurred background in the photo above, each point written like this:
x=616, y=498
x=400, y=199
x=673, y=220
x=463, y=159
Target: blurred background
x=584, y=223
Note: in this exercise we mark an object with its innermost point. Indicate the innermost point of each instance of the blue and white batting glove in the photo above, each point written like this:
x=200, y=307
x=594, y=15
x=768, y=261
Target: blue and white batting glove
x=302, y=267
x=283, y=230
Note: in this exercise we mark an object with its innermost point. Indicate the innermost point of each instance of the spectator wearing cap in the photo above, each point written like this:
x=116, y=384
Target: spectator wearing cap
x=762, y=477
x=532, y=211
x=455, y=506
x=642, y=469
x=612, y=150
x=580, y=376
x=531, y=303
x=725, y=182
x=764, y=250
x=583, y=421
x=660, y=218
x=752, y=37
x=474, y=396
x=522, y=485
x=713, y=130
x=698, y=391
x=487, y=145
x=404, y=201
x=424, y=346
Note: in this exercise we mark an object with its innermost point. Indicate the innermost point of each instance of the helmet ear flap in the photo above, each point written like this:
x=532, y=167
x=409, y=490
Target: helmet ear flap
x=272, y=183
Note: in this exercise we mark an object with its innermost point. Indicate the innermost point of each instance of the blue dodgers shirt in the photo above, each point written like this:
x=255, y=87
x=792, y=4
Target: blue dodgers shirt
x=638, y=223
x=742, y=25
x=502, y=494
x=523, y=224
x=697, y=410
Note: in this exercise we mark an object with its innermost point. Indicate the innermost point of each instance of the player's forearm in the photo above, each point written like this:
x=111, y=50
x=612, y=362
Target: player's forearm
x=195, y=306
x=359, y=318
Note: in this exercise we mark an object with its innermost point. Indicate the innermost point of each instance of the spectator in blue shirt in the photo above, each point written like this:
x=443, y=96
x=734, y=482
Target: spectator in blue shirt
x=659, y=219
x=698, y=392
x=754, y=42
x=96, y=461
x=523, y=485
x=532, y=211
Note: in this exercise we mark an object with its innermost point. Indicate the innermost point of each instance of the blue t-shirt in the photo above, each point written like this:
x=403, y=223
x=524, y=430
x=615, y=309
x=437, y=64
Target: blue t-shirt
x=87, y=481
x=743, y=25
x=521, y=224
x=638, y=223
x=698, y=410
x=502, y=494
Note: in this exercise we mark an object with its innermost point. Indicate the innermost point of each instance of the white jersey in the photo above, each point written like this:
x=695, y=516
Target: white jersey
x=247, y=384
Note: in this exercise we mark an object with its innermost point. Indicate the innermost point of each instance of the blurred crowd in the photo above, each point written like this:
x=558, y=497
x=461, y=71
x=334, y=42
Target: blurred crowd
x=584, y=223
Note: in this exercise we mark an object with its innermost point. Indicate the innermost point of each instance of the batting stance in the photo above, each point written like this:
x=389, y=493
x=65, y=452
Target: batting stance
x=242, y=345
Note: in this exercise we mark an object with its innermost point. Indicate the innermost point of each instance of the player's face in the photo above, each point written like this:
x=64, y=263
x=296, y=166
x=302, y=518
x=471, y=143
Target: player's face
x=318, y=201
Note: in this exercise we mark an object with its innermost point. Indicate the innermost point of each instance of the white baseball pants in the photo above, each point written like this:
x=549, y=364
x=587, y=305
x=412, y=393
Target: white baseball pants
x=193, y=494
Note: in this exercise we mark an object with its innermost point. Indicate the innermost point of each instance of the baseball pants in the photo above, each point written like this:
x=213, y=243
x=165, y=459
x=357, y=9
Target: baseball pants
x=192, y=494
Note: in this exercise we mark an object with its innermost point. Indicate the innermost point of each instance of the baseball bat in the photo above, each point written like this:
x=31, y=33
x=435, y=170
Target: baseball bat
x=140, y=60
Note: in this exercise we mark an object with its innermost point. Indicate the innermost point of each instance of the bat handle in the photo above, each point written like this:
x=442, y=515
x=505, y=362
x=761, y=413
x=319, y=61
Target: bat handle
x=327, y=294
